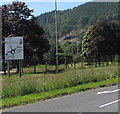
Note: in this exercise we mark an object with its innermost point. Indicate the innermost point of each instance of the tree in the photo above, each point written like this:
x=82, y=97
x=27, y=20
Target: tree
x=85, y=42
x=67, y=57
x=12, y=16
x=52, y=53
x=70, y=53
x=17, y=20
x=103, y=41
x=84, y=20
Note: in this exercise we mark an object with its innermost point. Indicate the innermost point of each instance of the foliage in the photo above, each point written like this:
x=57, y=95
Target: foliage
x=69, y=48
x=71, y=53
x=79, y=17
x=103, y=42
x=35, y=97
x=85, y=42
x=50, y=57
x=37, y=83
x=18, y=21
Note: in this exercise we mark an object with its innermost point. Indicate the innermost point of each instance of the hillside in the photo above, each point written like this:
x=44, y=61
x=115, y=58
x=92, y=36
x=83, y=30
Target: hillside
x=72, y=20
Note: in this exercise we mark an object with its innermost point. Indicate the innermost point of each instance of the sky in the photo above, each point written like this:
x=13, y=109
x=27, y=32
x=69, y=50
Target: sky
x=41, y=7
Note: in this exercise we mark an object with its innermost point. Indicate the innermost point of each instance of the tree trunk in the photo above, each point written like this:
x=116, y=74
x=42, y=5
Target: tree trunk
x=89, y=63
x=103, y=63
x=68, y=66
x=107, y=61
x=3, y=56
x=74, y=65
x=34, y=69
x=17, y=67
x=4, y=67
x=46, y=69
x=82, y=65
x=99, y=63
x=65, y=63
x=95, y=63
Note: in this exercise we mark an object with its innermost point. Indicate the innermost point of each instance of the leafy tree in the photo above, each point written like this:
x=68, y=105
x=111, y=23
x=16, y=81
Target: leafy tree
x=85, y=42
x=103, y=41
x=12, y=15
x=67, y=57
x=17, y=20
x=70, y=53
x=52, y=53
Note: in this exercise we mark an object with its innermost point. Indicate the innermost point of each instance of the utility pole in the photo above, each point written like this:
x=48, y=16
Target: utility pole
x=56, y=36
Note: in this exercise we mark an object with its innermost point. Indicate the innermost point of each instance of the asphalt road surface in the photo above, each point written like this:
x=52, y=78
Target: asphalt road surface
x=97, y=100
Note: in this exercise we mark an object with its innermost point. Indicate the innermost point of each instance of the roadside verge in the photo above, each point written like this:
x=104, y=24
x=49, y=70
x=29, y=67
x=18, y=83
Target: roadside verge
x=35, y=97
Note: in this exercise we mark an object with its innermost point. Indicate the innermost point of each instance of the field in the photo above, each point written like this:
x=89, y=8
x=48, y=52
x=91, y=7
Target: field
x=43, y=82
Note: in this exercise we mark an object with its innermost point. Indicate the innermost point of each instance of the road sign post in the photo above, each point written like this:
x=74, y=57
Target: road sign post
x=8, y=68
x=20, y=68
x=14, y=50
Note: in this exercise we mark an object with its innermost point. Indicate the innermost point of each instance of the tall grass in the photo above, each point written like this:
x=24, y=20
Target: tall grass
x=36, y=83
x=42, y=69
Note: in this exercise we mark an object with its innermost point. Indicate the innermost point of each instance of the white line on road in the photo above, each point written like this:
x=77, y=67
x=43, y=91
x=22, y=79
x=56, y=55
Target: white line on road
x=105, y=92
x=109, y=103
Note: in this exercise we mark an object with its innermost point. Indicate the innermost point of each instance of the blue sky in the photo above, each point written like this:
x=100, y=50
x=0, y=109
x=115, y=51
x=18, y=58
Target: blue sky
x=42, y=7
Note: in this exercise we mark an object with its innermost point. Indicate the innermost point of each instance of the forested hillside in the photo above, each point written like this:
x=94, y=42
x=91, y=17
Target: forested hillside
x=77, y=18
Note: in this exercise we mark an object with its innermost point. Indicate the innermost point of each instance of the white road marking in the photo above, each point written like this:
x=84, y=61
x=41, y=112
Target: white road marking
x=109, y=103
x=105, y=92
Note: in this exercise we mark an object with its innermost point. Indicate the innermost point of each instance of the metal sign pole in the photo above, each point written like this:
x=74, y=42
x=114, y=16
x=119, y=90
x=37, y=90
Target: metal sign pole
x=8, y=68
x=56, y=36
x=20, y=68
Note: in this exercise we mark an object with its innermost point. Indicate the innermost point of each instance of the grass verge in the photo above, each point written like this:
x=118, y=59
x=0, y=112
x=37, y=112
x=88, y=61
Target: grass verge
x=38, y=83
x=34, y=97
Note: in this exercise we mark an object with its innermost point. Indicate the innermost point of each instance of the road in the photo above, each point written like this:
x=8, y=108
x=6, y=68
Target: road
x=97, y=100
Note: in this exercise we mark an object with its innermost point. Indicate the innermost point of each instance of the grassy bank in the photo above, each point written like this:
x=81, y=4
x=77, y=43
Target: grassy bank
x=31, y=98
x=39, y=83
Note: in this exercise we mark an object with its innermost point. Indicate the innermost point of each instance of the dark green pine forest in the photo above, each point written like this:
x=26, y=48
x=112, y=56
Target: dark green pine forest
x=78, y=18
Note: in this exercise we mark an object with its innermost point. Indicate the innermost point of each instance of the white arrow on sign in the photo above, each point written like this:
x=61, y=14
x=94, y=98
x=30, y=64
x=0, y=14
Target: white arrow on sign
x=105, y=92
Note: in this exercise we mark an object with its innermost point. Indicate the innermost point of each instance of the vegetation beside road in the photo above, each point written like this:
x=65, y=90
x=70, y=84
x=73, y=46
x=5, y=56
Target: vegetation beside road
x=37, y=83
x=34, y=97
x=83, y=64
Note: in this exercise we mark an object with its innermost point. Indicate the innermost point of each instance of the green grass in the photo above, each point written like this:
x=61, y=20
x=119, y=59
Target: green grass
x=37, y=83
x=41, y=69
x=34, y=97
